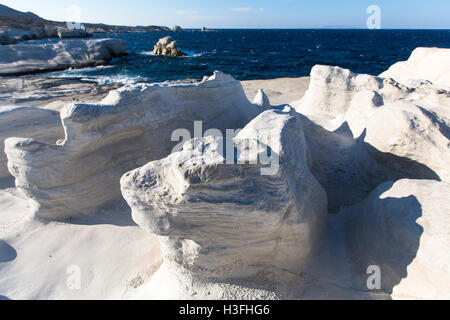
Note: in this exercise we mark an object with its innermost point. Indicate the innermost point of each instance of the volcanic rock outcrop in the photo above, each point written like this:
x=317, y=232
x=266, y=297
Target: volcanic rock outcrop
x=256, y=212
x=168, y=47
x=31, y=58
x=130, y=127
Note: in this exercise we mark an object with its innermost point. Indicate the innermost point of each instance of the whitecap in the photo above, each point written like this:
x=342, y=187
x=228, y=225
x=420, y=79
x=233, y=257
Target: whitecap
x=122, y=79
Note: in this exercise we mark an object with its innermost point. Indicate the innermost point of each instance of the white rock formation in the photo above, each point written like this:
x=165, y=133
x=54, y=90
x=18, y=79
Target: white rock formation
x=331, y=91
x=402, y=129
x=27, y=122
x=219, y=220
x=409, y=139
x=50, y=93
x=424, y=65
x=261, y=99
x=403, y=228
x=130, y=127
x=168, y=47
x=31, y=58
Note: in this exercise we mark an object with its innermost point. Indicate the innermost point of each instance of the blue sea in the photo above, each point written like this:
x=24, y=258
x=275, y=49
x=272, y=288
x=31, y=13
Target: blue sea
x=261, y=54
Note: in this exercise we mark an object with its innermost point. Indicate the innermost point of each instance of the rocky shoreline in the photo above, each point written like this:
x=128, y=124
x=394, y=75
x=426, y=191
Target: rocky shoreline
x=50, y=93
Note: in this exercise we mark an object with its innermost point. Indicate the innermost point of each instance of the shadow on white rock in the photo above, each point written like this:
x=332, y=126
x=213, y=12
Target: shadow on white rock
x=403, y=228
x=219, y=221
x=130, y=127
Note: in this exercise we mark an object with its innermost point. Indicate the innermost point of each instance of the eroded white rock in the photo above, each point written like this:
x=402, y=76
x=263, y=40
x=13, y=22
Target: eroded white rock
x=403, y=131
x=330, y=93
x=231, y=221
x=407, y=138
x=27, y=122
x=75, y=33
x=424, y=65
x=262, y=100
x=130, y=127
x=31, y=58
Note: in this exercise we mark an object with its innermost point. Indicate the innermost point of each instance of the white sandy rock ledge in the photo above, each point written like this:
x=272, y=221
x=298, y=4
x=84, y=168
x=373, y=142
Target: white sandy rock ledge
x=254, y=219
x=403, y=228
x=130, y=127
x=32, y=58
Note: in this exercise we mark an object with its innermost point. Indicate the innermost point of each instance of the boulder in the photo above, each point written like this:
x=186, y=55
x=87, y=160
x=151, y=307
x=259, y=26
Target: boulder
x=403, y=139
x=403, y=228
x=168, y=47
x=133, y=125
x=244, y=215
x=31, y=58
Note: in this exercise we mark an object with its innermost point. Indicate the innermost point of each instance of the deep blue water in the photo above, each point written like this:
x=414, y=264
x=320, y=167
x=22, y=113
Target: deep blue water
x=264, y=54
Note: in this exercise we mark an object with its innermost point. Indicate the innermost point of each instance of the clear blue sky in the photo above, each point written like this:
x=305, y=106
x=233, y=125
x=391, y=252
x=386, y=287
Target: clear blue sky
x=246, y=13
